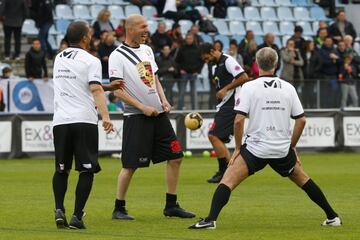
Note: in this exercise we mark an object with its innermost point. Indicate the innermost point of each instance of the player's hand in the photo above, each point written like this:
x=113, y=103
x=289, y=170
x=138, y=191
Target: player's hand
x=150, y=111
x=117, y=84
x=233, y=157
x=220, y=94
x=166, y=106
x=108, y=126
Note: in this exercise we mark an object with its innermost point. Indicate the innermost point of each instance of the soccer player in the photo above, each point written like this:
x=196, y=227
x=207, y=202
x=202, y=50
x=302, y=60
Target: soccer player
x=77, y=95
x=227, y=75
x=147, y=132
x=269, y=102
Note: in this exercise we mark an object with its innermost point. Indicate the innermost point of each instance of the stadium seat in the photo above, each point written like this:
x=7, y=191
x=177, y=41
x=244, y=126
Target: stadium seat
x=271, y=27
x=131, y=9
x=259, y=39
x=285, y=38
x=58, y=39
x=119, y=2
x=255, y=27
x=238, y=38
x=315, y=26
x=185, y=26
x=318, y=14
x=302, y=3
x=82, y=2
x=277, y=41
x=204, y=12
x=152, y=25
x=101, y=2
x=81, y=12
x=221, y=26
x=267, y=3
x=52, y=42
x=237, y=28
x=268, y=14
x=252, y=13
x=284, y=3
x=301, y=14
x=52, y=30
x=169, y=23
x=62, y=25
x=255, y=3
x=29, y=27
x=63, y=11
x=224, y=39
x=285, y=14
x=149, y=12
x=306, y=27
x=114, y=22
x=117, y=12
x=206, y=37
x=286, y=28
x=95, y=9
x=235, y=13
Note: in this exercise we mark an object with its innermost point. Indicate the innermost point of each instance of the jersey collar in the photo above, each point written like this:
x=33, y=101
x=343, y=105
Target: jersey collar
x=127, y=45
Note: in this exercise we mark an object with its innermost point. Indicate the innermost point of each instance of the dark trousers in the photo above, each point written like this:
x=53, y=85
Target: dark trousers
x=8, y=31
x=43, y=37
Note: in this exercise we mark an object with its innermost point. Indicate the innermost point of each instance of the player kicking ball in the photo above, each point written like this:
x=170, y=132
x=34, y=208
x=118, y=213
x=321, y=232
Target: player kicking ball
x=269, y=102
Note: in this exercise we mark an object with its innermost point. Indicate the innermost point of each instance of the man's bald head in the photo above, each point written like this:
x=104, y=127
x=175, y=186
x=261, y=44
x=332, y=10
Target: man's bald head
x=132, y=20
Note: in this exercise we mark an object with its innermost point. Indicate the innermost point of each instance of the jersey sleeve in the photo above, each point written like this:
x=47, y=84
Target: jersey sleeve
x=116, y=67
x=95, y=72
x=297, y=110
x=233, y=67
x=242, y=100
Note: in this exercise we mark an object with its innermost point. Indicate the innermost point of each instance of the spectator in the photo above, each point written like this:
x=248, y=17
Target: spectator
x=320, y=37
x=341, y=27
x=348, y=41
x=63, y=45
x=140, y=3
x=347, y=78
x=105, y=49
x=120, y=29
x=112, y=106
x=35, y=62
x=299, y=40
x=329, y=70
x=218, y=45
x=178, y=10
x=269, y=40
x=219, y=7
x=189, y=64
x=167, y=72
x=176, y=36
x=249, y=53
x=42, y=12
x=250, y=36
x=311, y=70
x=195, y=32
x=160, y=38
x=13, y=14
x=328, y=4
x=103, y=23
x=233, y=51
x=6, y=73
x=340, y=48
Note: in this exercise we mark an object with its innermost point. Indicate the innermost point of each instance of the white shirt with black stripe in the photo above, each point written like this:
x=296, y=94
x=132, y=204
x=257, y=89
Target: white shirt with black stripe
x=74, y=70
x=269, y=102
x=137, y=67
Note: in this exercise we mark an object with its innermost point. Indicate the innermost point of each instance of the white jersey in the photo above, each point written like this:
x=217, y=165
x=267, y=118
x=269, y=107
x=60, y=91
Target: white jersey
x=74, y=70
x=137, y=67
x=269, y=102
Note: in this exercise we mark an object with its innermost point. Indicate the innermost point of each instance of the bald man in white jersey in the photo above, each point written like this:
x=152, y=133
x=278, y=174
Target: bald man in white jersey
x=269, y=102
x=147, y=131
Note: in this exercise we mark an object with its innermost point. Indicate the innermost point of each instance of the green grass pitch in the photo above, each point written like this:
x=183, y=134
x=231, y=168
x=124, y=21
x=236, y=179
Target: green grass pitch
x=265, y=206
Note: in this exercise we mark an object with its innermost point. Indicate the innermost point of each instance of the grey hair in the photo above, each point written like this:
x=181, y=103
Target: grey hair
x=348, y=37
x=266, y=59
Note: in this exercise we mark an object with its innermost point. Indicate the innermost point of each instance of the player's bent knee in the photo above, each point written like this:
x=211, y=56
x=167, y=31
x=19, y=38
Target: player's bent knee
x=212, y=138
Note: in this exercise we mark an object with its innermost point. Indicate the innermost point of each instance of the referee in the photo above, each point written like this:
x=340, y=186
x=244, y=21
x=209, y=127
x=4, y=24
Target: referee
x=228, y=75
x=147, y=131
x=269, y=102
x=77, y=95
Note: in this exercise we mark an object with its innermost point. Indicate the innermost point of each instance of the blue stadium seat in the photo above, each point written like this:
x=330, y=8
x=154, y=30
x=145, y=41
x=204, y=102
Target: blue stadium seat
x=52, y=42
x=185, y=26
x=318, y=14
x=204, y=12
x=252, y=13
x=114, y=22
x=120, y=2
x=278, y=41
x=268, y=14
x=82, y=2
x=237, y=28
x=63, y=11
x=270, y=27
x=267, y=3
x=301, y=14
x=117, y=12
x=285, y=14
x=29, y=27
x=315, y=26
x=131, y=9
x=52, y=30
x=101, y=2
x=221, y=26
x=255, y=3
x=306, y=27
x=302, y=3
x=224, y=39
x=238, y=38
x=235, y=13
x=152, y=25
x=206, y=37
x=81, y=12
x=255, y=27
x=62, y=25
x=58, y=39
x=285, y=38
x=284, y=3
x=95, y=9
x=149, y=12
x=169, y=23
x=286, y=28
x=259, y=39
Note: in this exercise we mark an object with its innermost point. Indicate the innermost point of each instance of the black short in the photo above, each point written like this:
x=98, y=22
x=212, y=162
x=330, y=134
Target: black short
x=148, y=139
x=283, y=166
x=223, y=125
x=80, y=140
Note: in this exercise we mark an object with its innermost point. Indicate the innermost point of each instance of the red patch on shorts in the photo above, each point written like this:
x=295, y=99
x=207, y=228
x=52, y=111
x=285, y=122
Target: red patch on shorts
x=212, y=127
x=175, y=146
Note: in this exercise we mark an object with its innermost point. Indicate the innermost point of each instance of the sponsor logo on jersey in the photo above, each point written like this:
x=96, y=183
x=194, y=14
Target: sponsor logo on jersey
x=146, y=73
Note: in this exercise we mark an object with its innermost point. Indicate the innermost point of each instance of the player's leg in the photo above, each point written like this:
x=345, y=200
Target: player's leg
x=223, y=156
x=63, y=161
x=302, y=180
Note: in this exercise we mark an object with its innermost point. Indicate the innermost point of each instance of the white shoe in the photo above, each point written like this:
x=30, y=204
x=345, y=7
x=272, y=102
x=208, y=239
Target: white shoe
x=335, y=222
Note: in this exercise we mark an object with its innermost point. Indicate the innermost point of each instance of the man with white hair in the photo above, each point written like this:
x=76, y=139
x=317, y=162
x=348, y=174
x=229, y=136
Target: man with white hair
x=269, y=102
